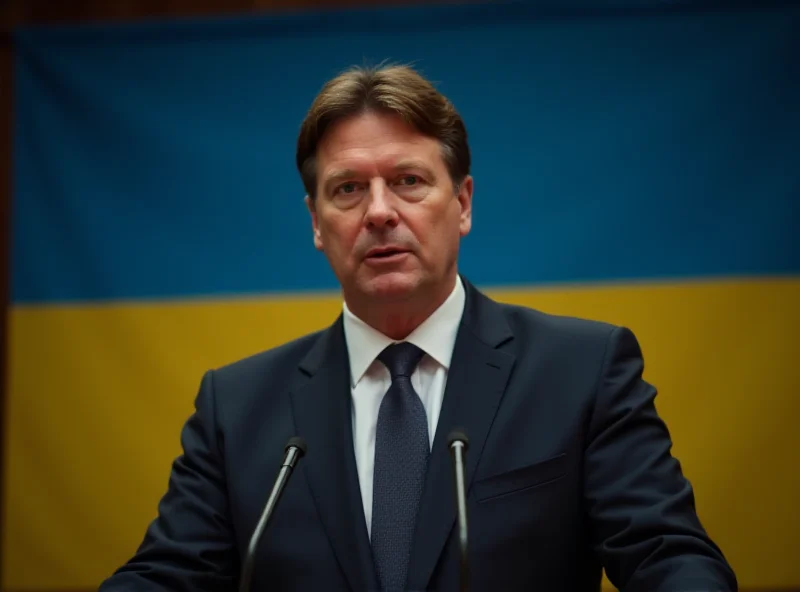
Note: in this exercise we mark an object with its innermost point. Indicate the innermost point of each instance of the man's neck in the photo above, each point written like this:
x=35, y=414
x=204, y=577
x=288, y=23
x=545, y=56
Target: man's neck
x=397, y=320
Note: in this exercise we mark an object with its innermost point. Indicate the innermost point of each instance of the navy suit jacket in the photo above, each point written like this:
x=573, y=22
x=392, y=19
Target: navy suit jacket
x=569, y=471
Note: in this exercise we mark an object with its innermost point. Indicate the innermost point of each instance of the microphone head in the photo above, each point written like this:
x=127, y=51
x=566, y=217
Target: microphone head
x=297, y=442
x=457, y=435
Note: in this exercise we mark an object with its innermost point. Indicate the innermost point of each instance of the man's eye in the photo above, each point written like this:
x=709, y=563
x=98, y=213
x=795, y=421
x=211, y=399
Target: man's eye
x=409, y=180
x=347, y=188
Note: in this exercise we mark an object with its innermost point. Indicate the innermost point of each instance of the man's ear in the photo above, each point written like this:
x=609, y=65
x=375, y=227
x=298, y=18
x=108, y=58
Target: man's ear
x=311, y=204
x=464, y=197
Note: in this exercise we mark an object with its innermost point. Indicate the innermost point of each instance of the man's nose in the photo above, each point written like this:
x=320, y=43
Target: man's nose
x=380, y=209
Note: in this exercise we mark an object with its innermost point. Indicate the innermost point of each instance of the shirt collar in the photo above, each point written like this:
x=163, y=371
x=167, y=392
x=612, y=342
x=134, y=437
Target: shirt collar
x=436, y=336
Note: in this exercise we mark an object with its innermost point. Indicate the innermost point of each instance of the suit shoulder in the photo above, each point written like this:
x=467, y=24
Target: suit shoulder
x=571, y=335
x=569, y=343
x=526, y=319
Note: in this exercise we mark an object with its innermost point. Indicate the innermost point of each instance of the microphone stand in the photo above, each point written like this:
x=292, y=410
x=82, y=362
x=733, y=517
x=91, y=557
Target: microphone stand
x=295, y=448
x=458, y=443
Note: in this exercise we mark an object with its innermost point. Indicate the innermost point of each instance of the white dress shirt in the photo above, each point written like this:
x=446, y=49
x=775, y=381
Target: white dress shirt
x=370, y=379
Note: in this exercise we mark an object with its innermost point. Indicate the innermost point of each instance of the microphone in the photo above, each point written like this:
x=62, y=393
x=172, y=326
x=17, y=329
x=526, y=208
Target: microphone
x=458, y=443
x=295, y=448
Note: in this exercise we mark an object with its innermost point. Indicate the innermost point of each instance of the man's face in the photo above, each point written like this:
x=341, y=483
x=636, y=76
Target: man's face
x=387, y=215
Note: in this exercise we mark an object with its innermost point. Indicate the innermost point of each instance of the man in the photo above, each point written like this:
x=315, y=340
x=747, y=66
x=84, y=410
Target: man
x=568, y=469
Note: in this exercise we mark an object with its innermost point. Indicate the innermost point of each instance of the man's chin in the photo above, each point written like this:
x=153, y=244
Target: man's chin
x=391, y=286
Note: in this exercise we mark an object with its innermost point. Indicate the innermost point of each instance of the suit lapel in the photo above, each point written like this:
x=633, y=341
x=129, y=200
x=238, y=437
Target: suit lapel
x=322, y=410
x=476, y=381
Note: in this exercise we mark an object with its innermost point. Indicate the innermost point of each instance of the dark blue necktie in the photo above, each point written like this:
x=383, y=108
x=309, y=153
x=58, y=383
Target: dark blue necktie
x=402, y=448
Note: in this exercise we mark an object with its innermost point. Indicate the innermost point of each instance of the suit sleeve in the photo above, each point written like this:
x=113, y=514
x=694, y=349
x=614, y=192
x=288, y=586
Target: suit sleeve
x=190, y=544
x=641, y=507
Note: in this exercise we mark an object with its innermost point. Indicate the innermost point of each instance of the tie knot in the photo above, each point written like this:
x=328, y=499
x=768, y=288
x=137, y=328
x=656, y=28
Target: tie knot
x=401, y=358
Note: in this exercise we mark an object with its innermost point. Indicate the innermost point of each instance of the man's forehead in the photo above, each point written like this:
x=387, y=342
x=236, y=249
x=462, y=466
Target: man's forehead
x=372, y=133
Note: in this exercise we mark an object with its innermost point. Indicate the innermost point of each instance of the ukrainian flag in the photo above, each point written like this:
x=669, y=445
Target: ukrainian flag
x=638, y=167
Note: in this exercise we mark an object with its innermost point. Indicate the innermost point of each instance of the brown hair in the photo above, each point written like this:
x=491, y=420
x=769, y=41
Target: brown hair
x=390, y=89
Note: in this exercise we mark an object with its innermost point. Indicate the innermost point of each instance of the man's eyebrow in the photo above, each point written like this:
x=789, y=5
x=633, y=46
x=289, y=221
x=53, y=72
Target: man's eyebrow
x=405, y=165
x=338, y=175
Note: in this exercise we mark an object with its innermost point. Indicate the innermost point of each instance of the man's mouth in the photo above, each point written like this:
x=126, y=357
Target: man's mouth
x=384, y=253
